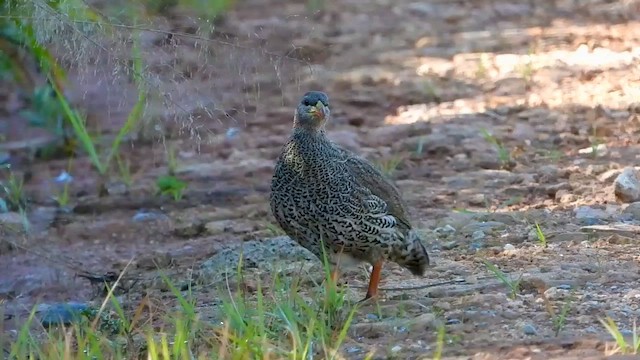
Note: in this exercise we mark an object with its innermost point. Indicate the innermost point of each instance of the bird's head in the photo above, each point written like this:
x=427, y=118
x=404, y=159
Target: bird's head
x=313, y=111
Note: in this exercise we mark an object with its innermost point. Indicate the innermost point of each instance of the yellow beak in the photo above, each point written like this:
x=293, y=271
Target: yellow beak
x=318, y=109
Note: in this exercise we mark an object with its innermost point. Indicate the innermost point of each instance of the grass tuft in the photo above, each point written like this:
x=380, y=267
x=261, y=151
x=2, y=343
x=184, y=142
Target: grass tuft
x=276, y=321
x=542, y=239
x=512, y=285
x=622, y=346
x=504, y=156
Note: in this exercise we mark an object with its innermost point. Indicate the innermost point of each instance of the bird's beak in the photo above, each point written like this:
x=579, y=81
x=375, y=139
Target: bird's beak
x=319, y=110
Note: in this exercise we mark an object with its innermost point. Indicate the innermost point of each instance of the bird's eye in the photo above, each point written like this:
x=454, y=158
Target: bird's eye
x=306, y=102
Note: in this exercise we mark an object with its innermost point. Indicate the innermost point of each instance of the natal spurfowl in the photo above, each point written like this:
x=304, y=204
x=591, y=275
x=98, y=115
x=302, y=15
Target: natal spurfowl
x=324, y=194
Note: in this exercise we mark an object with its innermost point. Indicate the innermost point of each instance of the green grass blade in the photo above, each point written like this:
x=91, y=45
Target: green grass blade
x=138, y=109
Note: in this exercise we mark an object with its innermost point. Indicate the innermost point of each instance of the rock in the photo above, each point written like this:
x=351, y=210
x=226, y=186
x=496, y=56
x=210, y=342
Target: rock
x=555, y=293
x=598, y=150
x=372, y=317
x=565, y=197
x=218, y=227
x=41, y=218
x=460, y=162
x=595, y=169
x=353, y=349
x=432, y=144
x=627, y=186
x=31, y=145
x=477, y=200
x=626, y=230
x=609, y=175
x=548, y=173
x=61, y=314
x=487, y=161
x=450, y=245
x=478, y=235
x=144, y=216
x=587, y=212
x=632, y=211
x=231, y=133
x=423, y=322
x=445, y=230
x=523, y=132
x=188, y=228
x=552, y=190
x=12, y=222
x=502, y=217
x=116, y=188
x=458, y=182
x=529, y=329
x=509, y=247
x=487, y=226
x=442, y=305
x=457, y=220
x=258, y=255
x=371, y=330
x=157, y=260
x=476, y=245
x=633, y=294
x=5, y=157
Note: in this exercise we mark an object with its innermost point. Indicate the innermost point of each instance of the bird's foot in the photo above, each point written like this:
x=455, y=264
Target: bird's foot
x=369, y=298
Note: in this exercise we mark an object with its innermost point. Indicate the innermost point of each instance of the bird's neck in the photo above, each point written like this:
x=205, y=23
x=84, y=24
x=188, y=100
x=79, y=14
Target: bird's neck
x=304, y=133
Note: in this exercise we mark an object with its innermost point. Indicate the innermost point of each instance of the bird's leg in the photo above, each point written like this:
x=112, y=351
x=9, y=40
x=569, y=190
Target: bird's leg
x=372, y=291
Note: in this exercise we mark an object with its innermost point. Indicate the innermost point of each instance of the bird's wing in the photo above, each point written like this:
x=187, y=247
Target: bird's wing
x=368, y=176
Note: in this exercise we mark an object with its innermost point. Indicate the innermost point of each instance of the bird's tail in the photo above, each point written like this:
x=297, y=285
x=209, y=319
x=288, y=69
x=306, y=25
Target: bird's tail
x=413, y=256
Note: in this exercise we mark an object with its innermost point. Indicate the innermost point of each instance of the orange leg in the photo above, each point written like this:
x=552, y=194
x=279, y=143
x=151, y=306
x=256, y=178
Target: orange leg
x=372, y=291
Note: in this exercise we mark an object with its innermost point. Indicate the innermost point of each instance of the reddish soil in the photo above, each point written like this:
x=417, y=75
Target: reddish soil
x=410, y=82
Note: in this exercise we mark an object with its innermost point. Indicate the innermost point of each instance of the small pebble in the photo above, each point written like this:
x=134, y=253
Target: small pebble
x=529, y=329
x=555, y=293
x=478, y=235
x=61, y=314
x=450, y=245
x=353, y=350
x=488, y=226
x=587, y=212
x=143, y=216
x=477, y=200
x=232, y=133
x=5, y=157
x=627, y=185
x=598, y=150
x=445, y=230
x=454, y=321
x=396, y=348
x=64, y=177
x=373, y=317
x=509, y=247
x=632, y=212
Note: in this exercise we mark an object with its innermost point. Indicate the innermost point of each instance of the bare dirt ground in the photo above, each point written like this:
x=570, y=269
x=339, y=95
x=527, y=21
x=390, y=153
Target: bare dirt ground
x=412, y=84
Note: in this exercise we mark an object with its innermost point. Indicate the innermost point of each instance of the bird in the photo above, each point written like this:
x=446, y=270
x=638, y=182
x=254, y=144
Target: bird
x=337, y=204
